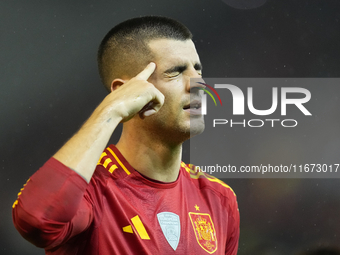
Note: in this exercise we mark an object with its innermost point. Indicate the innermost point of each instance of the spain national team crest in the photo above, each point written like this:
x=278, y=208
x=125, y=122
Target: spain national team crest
x=204, y=230
x=171, y=227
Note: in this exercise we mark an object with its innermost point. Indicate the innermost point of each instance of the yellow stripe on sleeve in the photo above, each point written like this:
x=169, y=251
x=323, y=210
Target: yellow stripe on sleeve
x=185, y=167
x=101, y=157
x=16, y=201
x=112, y=168
x=119, y=162
x=106, y=162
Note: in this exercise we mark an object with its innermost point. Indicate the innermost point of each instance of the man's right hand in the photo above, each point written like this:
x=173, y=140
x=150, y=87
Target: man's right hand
x=136, y=95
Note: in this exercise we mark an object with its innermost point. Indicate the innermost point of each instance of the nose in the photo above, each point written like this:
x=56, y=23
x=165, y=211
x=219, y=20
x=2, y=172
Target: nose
x=195, y=80
x=196, y=85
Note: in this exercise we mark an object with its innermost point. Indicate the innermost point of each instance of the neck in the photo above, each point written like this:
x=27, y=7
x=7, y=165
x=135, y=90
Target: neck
x=151, y=156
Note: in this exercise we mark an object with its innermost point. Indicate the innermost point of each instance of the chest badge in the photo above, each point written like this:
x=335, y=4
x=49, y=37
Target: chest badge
x=204, y=231
x=171, y=227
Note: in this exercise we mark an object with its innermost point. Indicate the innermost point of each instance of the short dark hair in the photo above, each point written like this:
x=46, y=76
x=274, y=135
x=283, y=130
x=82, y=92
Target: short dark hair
x=124, y=51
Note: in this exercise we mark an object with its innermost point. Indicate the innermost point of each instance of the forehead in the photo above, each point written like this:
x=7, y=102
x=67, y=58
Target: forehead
x=169, y=52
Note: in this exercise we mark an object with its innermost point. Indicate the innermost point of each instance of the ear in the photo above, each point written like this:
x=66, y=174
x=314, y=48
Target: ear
x=116, y=83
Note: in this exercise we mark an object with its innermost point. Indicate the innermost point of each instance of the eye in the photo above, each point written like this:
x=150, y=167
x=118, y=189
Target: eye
x=172, y=75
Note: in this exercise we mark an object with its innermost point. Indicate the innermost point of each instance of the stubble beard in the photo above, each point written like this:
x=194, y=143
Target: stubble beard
x=181, y=130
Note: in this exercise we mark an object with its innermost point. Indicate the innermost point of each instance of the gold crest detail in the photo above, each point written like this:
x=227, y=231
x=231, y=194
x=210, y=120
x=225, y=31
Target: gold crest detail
x=204, y=231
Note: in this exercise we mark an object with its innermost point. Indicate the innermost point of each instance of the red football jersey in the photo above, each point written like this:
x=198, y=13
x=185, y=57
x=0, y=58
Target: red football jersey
x=122, y=212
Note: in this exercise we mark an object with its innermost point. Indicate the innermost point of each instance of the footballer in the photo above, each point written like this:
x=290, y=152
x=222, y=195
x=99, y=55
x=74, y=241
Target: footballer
x=135, y=197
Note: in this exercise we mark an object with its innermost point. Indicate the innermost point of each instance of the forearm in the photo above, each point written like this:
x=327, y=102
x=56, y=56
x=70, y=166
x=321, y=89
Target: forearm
x=82, y=151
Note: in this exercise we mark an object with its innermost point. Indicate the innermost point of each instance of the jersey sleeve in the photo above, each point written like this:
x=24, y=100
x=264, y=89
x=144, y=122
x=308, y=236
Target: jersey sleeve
x=233, y=227
x=52, y=207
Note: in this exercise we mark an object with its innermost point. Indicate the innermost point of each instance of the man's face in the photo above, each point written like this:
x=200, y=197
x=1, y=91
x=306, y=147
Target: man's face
x=180, y=117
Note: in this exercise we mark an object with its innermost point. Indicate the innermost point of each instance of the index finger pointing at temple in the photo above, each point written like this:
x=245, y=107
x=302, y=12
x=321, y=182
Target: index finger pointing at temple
x=146, y=73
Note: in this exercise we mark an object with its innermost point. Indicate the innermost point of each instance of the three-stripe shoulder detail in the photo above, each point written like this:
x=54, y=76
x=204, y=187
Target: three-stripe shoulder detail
x=111, y=161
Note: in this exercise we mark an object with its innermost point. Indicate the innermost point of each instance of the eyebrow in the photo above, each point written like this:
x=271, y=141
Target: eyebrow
x=182, y=68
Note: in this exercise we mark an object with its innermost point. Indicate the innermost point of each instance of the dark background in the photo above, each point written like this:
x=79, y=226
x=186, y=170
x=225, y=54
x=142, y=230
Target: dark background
x=49, y=86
